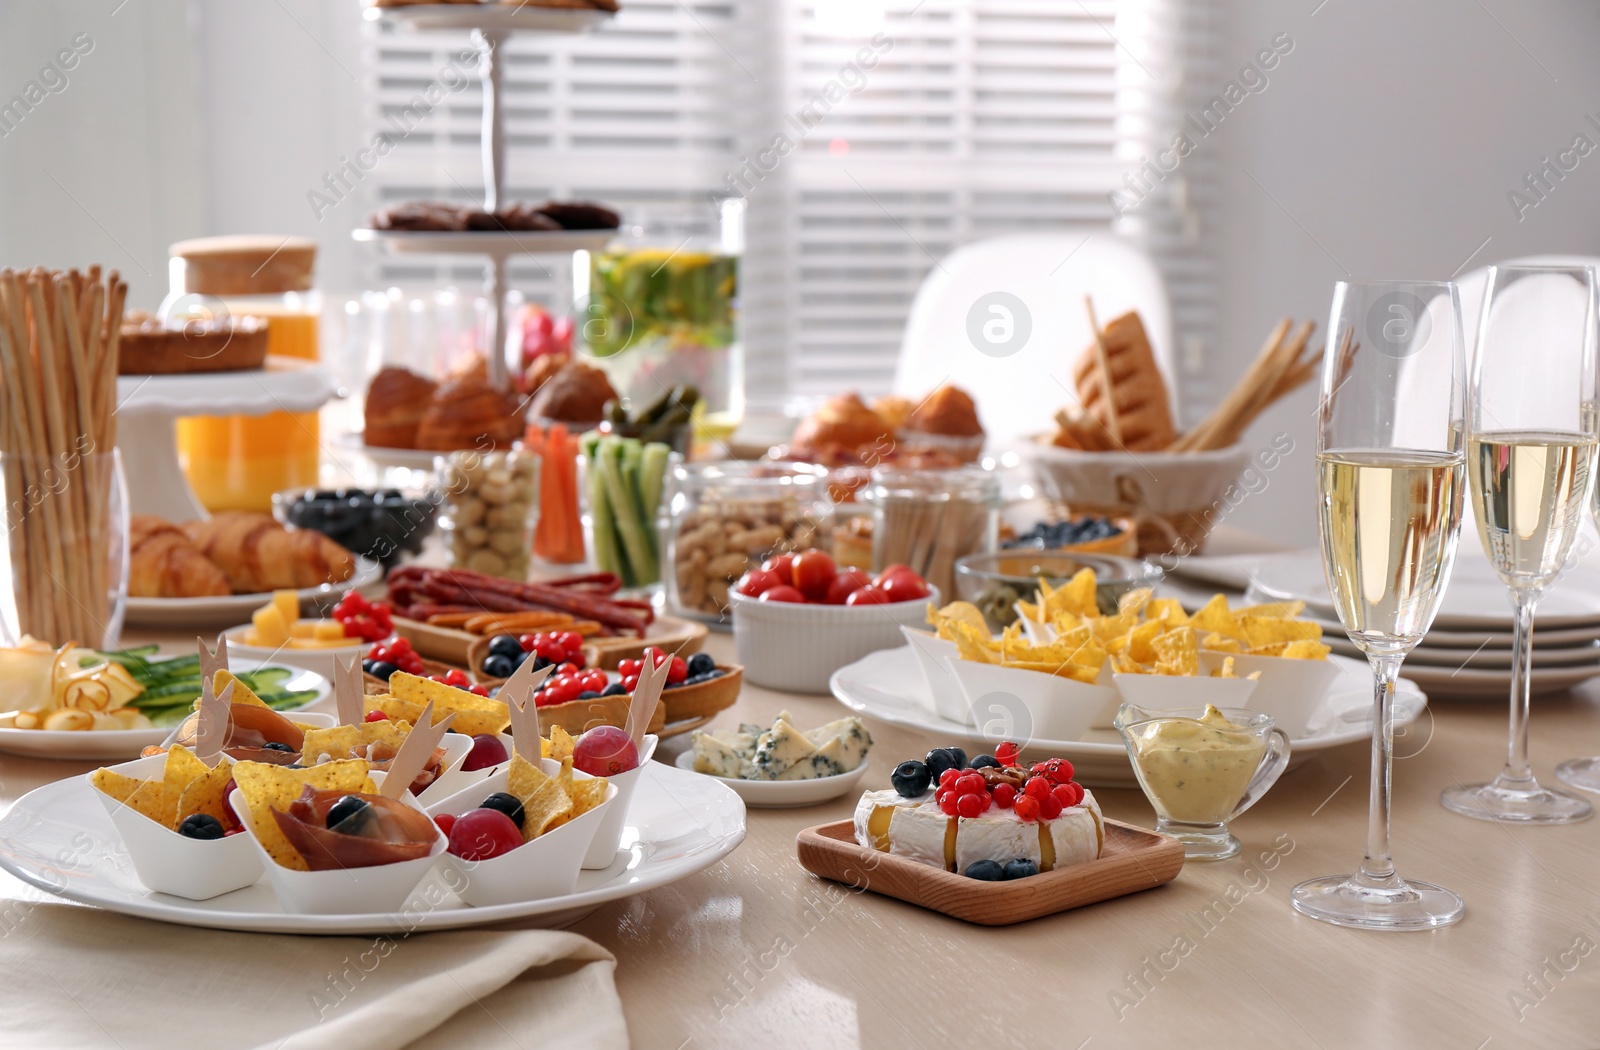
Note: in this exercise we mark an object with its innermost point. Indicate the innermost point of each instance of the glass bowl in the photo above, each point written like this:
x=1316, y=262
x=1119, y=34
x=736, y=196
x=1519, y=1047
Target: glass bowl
x=995, y=581
x=384, y=524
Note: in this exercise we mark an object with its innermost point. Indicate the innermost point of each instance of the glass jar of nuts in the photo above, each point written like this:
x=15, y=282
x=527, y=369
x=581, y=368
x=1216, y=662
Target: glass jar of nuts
x=728, y=517
x=490, y=506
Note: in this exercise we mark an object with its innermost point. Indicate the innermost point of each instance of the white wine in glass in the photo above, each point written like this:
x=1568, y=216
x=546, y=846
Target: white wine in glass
x=1530, y=452
x=1391, y=471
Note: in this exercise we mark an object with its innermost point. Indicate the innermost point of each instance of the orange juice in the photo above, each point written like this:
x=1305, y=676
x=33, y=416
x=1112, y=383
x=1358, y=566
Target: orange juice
x=238, y=462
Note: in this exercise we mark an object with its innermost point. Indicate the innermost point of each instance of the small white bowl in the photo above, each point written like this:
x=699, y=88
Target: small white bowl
x=797, y=647
x=454, y=778
x=167, y=862
x=784, y=794
x=318, y=660
x=1010, y=703
x=603, y=850
x=546, y=867
x=944, y=690
x=382, y=888
x=1288, y=690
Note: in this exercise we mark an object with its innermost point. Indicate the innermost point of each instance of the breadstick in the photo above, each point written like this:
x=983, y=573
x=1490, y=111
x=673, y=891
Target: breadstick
x=1103, y=358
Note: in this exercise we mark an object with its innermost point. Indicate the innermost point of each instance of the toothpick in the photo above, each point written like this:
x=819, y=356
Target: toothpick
x=348, y=692
x=525, y=729
x=414, y=752
x=646, y=694
x=213, y=660
x=211, y=722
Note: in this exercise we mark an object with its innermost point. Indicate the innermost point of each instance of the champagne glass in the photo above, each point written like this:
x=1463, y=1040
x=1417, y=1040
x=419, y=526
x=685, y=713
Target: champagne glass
x=1531, y=429
x=1390, y=474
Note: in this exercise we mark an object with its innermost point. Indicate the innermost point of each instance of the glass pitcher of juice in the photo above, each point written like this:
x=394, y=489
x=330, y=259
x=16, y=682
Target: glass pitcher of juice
x=663, y=310
x=238, y=462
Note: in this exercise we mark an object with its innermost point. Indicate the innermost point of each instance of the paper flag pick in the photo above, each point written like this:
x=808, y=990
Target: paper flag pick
x=523, y=681
x=213, y=660
x=211, y=721
x=348, y=691
x=525, y=731
x=646, y=694
x=414, y=752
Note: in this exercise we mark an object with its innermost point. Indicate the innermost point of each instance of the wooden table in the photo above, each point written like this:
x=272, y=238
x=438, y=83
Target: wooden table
x=755, y=952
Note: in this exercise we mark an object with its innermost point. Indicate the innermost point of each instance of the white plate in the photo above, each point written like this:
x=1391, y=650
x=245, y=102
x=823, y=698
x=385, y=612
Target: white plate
x=1551, y=638
x=354, y=441
x=886, y=684
x=678, y=824
x=487, y=242
x=783, y=794
x=236, y=608
x=120, y=745
x=523, y=18
x=1475, y=597
x=1484, y=658
x=1449, y=683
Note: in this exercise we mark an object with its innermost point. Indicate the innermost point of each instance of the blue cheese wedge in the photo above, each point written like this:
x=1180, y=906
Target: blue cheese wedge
x=716, y=756
x=780, y=748
x=783, y=752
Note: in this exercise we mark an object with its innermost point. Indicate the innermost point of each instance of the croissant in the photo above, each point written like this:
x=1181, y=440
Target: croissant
x=469, y=413
x=396, y=402
x=164, y=563
x=258, y=554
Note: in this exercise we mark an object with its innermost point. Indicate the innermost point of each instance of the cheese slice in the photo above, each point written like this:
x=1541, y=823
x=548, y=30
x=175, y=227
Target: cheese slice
x=779, y=748
x=924, y=834
x=713, y=756
x=873, y=813
x=999, y=835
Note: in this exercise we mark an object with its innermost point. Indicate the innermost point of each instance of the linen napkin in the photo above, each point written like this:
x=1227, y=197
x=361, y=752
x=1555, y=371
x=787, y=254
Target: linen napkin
x=73, y=976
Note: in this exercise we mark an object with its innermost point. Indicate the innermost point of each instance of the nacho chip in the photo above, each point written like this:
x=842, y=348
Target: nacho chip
x=1135, y=600
x=1267, y=630
x=1169, y=610
x=267, y=787
x=587, y=794
x=1275, y=610
x=1275, y=649
x=1214, y=616
x=474, y=714
x=1077, y=595
x=341, y=741
x=544, y=805
x=1141, y=641
x=1077, y=673
x=1226, y=670
x=208, y=795
x=1178, y=652
x=560, y=745
x=1221, y=643
x=974, y=645
x=956, y=612
x=1305, y=649
x=144, y=796
x=242, y=694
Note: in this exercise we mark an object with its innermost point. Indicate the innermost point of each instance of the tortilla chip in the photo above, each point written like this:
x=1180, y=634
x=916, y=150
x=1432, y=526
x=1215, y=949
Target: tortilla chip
x=1077, y=595
x=1221, y=644
x=341, y=741
x=973, y=645
x=1076, y=672
x=144, y=796
x=242, y=694
x=1305, y=649
x=1178, y=652
x=587, y=794
x=1214, y=616
x=1135, y=600
x=1141, y=641
x=267, y=787
x=560, y=745
x=208, y=795
x=957, y=612
x=1267, y=630
x=1226, y=670
x=1167, y=609
x=1275, y=610
x=545, y=805
x=474, y=714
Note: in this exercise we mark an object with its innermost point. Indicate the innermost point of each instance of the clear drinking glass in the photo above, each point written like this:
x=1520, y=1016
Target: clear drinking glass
x=1530, y=449
x=1390, y=475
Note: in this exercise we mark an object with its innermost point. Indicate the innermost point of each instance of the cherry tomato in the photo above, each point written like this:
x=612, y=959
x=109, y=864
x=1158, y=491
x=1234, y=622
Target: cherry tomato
x=529, y=642
x=757, y=582
x=846, y=583
x=781, y=566
x=630, y=682
x=783, y=594
x=868, y=596
x=678, y=671
x=813, y=574
x=903, y=586
x=629, y=667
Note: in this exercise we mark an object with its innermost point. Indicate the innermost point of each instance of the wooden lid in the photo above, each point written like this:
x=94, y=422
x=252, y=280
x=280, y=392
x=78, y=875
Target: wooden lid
x=246, y=265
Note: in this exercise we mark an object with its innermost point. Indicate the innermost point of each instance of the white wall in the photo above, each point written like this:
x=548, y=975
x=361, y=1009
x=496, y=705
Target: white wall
x=1385, y=146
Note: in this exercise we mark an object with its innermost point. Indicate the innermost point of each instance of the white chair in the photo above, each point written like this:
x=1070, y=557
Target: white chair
x=1004, y=320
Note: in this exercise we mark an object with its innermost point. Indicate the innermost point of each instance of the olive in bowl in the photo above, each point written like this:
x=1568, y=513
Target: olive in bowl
x=382, y=524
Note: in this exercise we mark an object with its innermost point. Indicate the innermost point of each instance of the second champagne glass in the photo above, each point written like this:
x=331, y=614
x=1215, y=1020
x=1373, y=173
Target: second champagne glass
x=1530, y=447
x=1390, y=472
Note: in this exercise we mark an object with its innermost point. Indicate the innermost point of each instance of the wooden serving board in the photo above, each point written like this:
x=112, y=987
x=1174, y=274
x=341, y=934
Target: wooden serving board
x=1133, y=859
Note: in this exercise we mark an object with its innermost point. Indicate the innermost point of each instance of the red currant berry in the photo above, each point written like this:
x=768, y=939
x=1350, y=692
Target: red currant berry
x=948, y=777
x=970, y=805
x=1049, y=807
x=1036, y=787
x=969, y=784
x=1004, y=795
x=1027, y=807
x=949, y=804
x=1006, y=754
x=1065, y=795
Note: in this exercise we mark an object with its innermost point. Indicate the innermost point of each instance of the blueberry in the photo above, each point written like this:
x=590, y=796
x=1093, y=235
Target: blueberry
x=505, y=645
x=366, y=665
x=275, y=745
x=985, y=870
x=498, y=666
x=676, y=685
x=940, y=759
x=1020, y=868
x=344, y=809
x=985, y=761
x=510, y=805
x=588, y=694
x=715, y=672
x=700, y=663
x=540, y=663
x=911, y=778
x=201, y=826
x=382, y=669
x=614, y=689
x=959, y=756
x=521, y=658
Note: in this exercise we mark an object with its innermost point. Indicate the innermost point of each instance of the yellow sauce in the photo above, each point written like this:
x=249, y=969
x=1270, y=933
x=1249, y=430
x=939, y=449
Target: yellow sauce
x=1195, y=771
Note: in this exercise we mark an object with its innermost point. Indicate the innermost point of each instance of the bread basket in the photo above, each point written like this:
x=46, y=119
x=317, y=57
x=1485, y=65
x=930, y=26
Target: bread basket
x=1174, y=498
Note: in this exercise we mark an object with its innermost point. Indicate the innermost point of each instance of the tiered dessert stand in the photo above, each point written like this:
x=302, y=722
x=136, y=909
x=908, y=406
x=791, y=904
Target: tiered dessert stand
x=490, y=25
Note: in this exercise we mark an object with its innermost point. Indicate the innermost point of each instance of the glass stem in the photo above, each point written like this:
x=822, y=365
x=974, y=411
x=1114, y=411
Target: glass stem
x=1517, y=771
x=1377, y=868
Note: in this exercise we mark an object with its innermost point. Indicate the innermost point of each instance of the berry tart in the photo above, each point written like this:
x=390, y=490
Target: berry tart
x=990, y=819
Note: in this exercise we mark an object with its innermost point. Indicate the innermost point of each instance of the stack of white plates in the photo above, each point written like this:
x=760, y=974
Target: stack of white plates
x=1467, y=654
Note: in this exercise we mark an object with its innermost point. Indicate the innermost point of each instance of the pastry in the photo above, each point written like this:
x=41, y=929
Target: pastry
x=513, y=217
x=948, y=411
x=469, y=413
x=397, y=400
x=581, y=215
x=1142, y=410
x=894, y=410
x=843, y=429
x=225, y=344
x=257, y=554
x=576, y=393
x=164, y=563
x=543, y=369
x=421, y=215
